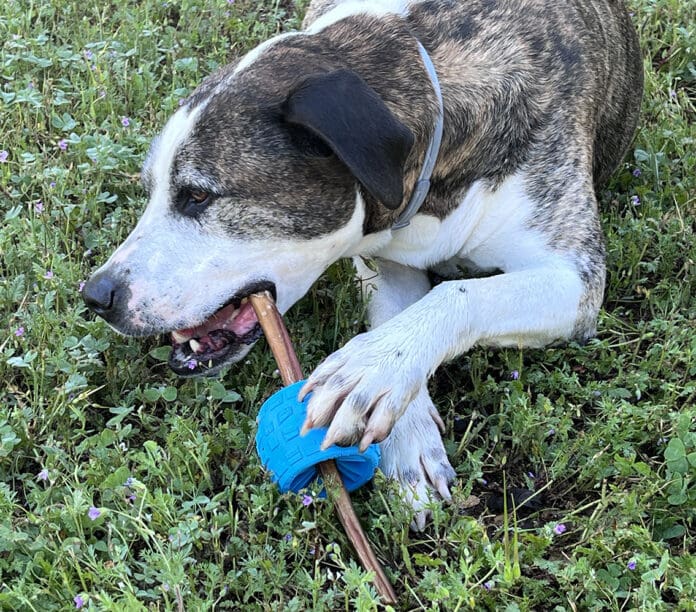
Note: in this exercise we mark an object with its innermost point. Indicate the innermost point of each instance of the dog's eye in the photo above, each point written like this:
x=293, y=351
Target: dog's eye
x=192, y=202
x=197, y=197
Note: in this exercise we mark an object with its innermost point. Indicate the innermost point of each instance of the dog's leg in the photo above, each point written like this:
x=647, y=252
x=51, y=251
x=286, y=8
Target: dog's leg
x=363, y=388
x=413, y=453
x=389, y=288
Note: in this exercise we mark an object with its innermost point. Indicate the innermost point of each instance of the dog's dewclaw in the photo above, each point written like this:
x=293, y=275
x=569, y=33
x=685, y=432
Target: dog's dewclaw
x=290, y=371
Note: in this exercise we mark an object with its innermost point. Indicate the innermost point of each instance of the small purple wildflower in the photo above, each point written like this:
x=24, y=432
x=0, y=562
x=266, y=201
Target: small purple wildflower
x=48, y=275
x=94, y=513
x=88, y=54
x=79, y=601
x=131, y=498
x=631, y=565
x=81, y=286
x=312, y=551
x=306, y=500
x=288, y=537
x=3, y=156
x=488, y=585
x=673, y=94
x=559, y=529
x=230, y=1
x=129, y=482
x=125, y=121
x=63, y=144
x=551, y=432
x=42, y=475
x=52, y=184
x=514, y=375
x=637, y=172
x=191, y=365
x=19, y=332
x=484, y=482
x=635, y=200
x=531, y=475
x=38, y=207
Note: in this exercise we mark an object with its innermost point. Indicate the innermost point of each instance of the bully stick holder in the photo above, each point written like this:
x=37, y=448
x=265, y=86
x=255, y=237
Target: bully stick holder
x=291, y=372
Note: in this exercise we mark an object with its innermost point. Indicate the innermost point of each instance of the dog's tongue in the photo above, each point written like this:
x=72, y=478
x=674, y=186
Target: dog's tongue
x=239, y=321
x=245, y=320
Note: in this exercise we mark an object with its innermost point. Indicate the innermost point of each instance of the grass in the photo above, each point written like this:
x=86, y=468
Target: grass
x=125, y=488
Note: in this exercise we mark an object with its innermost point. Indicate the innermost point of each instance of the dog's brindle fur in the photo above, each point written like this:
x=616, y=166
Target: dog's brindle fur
x=312, y=144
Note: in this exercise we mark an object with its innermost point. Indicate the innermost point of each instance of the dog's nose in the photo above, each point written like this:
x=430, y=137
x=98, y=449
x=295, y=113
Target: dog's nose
x=100, y=294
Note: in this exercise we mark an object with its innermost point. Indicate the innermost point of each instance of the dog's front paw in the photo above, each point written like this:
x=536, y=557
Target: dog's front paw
x=414, y=456
x=361, y=390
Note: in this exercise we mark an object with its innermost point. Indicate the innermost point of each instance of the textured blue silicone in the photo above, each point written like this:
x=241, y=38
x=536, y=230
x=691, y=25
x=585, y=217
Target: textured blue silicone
x=292, y=459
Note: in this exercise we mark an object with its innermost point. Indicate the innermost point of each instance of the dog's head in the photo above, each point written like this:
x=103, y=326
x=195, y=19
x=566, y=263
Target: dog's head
x=259, y=181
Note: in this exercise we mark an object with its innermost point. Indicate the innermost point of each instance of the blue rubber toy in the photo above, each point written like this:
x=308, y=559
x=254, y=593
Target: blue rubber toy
x=292, y=459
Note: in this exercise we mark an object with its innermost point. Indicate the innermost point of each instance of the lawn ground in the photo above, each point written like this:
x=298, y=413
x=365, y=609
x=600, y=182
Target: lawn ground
x=125, y=488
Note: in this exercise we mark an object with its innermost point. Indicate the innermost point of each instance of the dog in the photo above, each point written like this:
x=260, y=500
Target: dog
x=413, y=136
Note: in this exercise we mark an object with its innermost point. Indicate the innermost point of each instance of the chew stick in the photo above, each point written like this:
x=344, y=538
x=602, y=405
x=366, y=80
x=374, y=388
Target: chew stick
x=290, y=372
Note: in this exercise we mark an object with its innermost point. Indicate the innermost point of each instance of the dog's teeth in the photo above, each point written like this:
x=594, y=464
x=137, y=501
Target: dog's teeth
x=195, y=345
x=178, y=337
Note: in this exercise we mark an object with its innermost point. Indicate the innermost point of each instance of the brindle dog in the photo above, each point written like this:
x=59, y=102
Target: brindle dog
x=308, y=150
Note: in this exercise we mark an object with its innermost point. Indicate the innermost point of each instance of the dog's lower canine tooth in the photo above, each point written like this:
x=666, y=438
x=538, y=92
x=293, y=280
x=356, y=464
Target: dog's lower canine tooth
x=195, y=345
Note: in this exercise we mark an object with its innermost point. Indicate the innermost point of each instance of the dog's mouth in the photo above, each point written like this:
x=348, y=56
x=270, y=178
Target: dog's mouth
x=221, y=339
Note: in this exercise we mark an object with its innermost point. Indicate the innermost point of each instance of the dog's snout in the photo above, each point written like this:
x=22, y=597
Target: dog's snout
x=100, y=294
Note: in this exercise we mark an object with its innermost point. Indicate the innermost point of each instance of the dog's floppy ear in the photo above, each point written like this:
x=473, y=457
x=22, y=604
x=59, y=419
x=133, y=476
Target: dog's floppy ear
x=347, y=114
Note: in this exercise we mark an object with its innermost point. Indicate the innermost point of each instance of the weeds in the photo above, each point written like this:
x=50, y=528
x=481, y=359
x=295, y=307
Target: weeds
x=123, y=487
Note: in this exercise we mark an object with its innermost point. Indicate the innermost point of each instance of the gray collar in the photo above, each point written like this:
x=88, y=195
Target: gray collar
x=420, y=191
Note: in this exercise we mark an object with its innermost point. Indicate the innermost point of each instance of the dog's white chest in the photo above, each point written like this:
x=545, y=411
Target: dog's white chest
x=489, y=230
